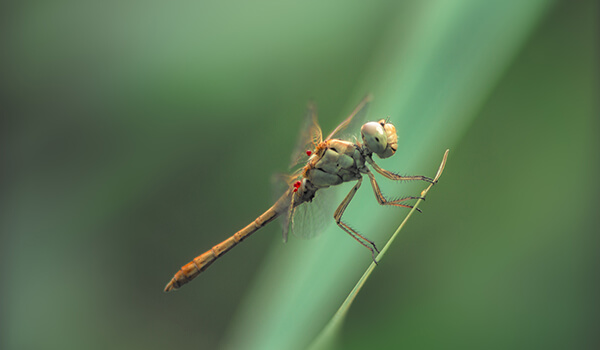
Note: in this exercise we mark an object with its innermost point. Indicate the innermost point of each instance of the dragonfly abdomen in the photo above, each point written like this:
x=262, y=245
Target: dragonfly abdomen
x=192, y=269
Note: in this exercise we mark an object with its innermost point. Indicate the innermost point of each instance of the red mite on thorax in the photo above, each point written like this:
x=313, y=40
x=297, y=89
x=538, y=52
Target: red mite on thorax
x=297, y=185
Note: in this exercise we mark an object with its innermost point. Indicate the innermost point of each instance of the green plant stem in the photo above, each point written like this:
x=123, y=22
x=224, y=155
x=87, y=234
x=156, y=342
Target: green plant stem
x=326, y=339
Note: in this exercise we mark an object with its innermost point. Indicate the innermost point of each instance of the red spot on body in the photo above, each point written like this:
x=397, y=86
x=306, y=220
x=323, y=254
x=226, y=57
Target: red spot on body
x=297, y=185
x=308, y=153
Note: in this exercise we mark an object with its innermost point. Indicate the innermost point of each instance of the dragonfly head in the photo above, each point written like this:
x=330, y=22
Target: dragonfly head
x=380, y=138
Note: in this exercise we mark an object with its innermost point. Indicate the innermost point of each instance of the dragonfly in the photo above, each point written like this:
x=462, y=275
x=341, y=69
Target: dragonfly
x=328, y=162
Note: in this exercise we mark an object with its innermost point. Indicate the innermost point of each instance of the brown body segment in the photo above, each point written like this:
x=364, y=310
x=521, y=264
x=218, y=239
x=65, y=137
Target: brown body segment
x=192, y=269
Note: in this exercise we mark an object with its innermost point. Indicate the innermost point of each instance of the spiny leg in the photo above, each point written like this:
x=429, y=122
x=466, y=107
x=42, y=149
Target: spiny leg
x=390, y=175
x=357, y=236
x=381, y=199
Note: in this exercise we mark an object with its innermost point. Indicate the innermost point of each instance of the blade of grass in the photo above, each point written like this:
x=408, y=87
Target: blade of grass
x=326, y=339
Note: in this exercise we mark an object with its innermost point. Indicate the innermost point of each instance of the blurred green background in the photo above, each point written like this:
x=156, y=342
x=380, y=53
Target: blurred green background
x=137, y=135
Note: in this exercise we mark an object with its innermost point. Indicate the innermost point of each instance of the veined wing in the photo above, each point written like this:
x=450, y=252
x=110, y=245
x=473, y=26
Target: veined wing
x=310, y=219
x=351, y=125
x=310, y=136
x=281, y=185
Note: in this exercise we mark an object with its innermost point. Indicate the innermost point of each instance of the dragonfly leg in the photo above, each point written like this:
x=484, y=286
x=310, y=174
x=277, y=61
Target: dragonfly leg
x=392, y=176
x=357, y=236
x=383, y=201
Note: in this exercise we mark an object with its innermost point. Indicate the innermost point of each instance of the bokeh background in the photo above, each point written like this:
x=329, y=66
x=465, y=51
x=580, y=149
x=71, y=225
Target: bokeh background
x=136, y=135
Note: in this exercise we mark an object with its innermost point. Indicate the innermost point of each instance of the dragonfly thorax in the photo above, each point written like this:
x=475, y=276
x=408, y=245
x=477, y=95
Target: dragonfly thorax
x=337, y=161
x=380, y=138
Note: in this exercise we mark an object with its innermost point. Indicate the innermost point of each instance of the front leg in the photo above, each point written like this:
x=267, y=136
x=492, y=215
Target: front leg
x=396, y=177
x=383, y=201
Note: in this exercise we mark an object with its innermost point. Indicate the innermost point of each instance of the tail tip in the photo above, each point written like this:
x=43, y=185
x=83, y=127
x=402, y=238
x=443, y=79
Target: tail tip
x=170, y=286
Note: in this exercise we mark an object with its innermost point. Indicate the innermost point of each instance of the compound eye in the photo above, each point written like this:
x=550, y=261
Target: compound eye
x=374, y=137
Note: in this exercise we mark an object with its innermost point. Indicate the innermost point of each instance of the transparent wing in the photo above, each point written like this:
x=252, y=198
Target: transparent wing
x=281, y=185
x=351, y=126
x=308, y=219
x=310, y=135
x=312, y=218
